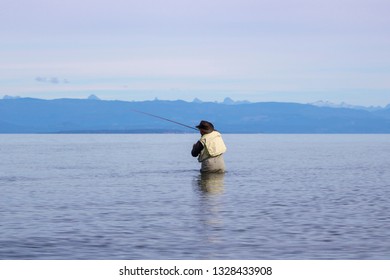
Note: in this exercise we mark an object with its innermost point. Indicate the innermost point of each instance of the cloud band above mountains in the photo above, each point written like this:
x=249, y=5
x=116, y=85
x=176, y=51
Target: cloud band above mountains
x=52, y=80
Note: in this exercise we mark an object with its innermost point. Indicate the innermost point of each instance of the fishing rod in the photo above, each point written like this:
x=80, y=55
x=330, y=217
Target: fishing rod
x=162, y=118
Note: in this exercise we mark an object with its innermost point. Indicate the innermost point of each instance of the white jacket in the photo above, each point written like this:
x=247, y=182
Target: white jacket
x=213, y=145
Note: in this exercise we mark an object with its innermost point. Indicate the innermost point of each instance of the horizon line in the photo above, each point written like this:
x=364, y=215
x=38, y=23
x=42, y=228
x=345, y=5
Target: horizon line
x=227, y=100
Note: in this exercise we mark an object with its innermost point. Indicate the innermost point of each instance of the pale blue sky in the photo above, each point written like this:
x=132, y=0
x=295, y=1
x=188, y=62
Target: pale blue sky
x=258, y=50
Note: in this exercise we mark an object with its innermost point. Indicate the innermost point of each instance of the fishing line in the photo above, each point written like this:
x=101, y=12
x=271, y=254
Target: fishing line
x=165, y=119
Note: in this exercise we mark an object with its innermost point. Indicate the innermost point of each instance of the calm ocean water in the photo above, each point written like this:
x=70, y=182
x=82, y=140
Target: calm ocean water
x=142, y=197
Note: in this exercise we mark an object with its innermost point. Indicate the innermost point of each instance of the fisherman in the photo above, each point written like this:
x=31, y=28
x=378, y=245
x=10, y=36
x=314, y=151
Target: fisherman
x=209, y=149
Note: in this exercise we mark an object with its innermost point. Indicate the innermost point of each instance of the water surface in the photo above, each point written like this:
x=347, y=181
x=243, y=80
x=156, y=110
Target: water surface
x=142, y=197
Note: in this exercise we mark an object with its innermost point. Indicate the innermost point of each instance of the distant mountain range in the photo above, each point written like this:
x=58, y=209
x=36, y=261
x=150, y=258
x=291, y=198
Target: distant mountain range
x=92, y=115
x=346, y=105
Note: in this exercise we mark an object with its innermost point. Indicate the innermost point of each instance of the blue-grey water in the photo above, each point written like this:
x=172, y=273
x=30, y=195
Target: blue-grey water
x=142, y=197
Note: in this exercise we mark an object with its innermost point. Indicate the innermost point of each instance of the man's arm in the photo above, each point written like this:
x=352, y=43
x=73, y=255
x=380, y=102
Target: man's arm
x=196, y=149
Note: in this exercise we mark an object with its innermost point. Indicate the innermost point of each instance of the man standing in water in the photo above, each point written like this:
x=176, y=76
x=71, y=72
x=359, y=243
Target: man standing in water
x=209, y=149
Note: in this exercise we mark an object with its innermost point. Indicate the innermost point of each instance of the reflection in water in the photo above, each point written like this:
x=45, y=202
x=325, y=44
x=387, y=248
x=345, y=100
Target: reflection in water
x=210, y=186
x=211, y=182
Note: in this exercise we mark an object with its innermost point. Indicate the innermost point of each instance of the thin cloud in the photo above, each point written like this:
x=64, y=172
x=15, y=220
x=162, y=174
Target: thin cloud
x=41, y=79
x=52, y=80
